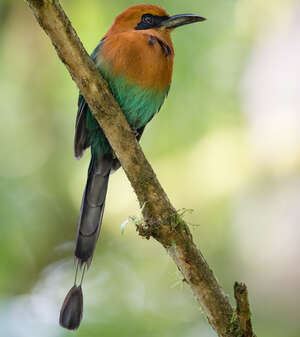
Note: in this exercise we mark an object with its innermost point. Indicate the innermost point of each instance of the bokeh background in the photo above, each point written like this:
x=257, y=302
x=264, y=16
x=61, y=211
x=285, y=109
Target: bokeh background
x=226, y=145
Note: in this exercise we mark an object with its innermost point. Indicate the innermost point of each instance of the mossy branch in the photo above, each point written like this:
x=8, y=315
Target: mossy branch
x=161, y=220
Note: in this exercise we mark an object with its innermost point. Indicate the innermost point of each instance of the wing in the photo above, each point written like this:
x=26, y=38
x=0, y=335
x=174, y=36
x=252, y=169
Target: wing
x=81, y=134
x=80, y=139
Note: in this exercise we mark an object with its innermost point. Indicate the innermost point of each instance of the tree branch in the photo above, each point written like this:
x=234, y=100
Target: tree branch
x=160, y=218
x=243, y=309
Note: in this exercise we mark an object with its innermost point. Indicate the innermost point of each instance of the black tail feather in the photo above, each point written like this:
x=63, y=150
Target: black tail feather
x=71, y=310
x=92, y=208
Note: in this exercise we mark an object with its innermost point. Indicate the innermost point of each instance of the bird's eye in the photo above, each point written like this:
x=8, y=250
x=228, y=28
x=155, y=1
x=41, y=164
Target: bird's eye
x=148, y=19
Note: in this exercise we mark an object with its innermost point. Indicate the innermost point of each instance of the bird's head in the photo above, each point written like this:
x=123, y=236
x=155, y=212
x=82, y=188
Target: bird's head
x=145, y=17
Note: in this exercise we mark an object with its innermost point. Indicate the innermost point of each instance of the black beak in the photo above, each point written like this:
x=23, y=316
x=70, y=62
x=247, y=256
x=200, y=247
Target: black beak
x=180, y=20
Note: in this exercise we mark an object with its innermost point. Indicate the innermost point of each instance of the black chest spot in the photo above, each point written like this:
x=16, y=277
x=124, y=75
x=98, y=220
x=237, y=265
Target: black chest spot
x=164, y=47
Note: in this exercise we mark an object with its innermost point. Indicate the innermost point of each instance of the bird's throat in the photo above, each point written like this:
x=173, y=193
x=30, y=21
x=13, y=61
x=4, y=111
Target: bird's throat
x=144, y=59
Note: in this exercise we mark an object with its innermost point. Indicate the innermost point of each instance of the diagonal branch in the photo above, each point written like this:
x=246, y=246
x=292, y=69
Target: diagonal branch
x=160, y=218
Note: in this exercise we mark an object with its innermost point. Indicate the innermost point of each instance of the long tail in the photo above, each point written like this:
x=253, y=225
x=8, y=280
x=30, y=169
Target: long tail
x=89, y=224
x=92, y=208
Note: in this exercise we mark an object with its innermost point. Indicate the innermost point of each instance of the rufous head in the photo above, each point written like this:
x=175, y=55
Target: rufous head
x=144, y=17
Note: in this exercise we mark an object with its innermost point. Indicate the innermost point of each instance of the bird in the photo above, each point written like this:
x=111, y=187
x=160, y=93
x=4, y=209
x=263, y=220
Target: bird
x=136, y=58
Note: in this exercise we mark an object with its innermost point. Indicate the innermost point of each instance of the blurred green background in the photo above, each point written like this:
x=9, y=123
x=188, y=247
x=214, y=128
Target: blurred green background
x=225, y=144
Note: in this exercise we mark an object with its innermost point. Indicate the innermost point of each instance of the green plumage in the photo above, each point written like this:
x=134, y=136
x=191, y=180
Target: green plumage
x=138, y=104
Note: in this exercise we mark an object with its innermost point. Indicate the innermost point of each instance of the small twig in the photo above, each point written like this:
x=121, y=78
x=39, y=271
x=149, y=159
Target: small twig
x=243, y=309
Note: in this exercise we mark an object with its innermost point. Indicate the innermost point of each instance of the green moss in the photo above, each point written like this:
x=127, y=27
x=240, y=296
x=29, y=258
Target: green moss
x=177, y=222
x=234, y=328
x=234, y=317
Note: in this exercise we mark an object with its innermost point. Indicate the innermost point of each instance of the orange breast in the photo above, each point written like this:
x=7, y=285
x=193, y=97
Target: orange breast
x=144, y=58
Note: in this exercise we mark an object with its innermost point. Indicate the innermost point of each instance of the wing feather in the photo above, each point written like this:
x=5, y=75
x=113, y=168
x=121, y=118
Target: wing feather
x=81, y=133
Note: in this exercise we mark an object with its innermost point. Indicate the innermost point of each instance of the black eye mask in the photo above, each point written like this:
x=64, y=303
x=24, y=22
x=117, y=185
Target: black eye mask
x=149, y=21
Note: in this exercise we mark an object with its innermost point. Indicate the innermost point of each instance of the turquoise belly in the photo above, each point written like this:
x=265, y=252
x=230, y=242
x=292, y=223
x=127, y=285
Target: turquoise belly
x=138, y=104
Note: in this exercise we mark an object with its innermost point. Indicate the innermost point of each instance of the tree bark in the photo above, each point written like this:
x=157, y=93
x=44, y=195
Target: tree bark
x=161, y=221
x=243, y=309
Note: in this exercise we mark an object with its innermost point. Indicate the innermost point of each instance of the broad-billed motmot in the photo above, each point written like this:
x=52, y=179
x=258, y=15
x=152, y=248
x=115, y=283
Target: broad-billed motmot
x=135, y=57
